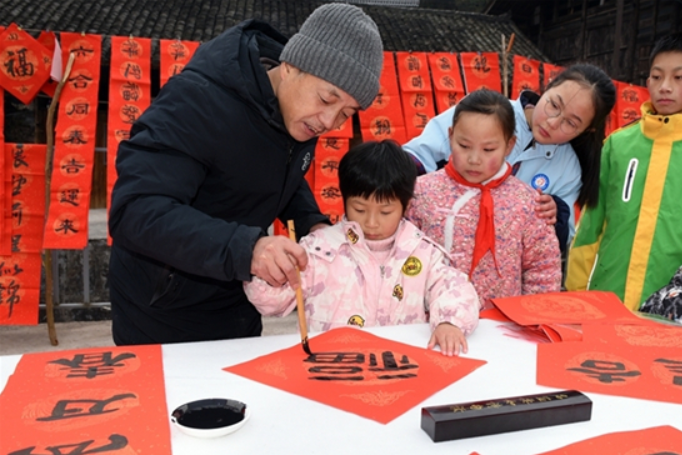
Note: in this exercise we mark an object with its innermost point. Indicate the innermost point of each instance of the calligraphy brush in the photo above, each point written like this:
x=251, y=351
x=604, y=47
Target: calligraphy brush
x=303, y=327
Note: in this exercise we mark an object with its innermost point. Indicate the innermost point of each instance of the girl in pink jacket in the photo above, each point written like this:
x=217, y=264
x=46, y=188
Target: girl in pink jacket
x=374, y=267
x=480, y=213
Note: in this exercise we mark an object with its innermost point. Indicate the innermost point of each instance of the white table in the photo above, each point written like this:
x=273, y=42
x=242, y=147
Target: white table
x=282, y=423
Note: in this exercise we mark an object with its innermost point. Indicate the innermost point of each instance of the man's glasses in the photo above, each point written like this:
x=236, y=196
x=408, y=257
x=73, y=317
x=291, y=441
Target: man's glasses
x=553, y=110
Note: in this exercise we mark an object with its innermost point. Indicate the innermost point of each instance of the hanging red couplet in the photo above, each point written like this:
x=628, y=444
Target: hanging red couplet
x=174, y=55
x=415, y=91
x=129, y=94
x=74, y=153
x=20, y=270
x=481, y=70
x=549, y=72
x=328, y=154
x=628, y=103
x=24, y=63
x=526, y=76
x=384, y=118
x=47, y=39
x=447, y=80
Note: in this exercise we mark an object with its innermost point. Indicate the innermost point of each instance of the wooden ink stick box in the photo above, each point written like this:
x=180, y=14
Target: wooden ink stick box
x=501, y=415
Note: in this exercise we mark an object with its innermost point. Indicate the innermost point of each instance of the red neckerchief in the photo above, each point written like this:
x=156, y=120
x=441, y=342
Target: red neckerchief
x=485, y=231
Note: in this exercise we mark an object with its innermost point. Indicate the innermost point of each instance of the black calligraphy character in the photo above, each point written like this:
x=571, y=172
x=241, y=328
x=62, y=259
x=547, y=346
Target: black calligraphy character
x=382, y=127
x=336, y=366
x=18, y=182
x=452, y=99
x=379, y=100
x=419, y=100
x=66, y=226
x=413, y=63
x=444, y=64
x=15, y=243
x=332, y=143
x=17, y=212
x=630, y=96
x=17, y=66
x=131, y=48
x=674, y=366
x=123, y=134
x=72, y=166
x=117, y=442
x=79, y=109
x=13, y=297
x=330, y=165
x=481, y=64
x=62, y=410
x=178, y=51
x=19, y=158
x=423, y=120
x=80, y=82
x=92, y=365
x=80, y=51
x=75, y=137
x=177, y=69
x=132, y=112
x=133, y=70
x=17, y=270
x=130, y=91
x=605, y=371
x=70, y=196
x=416, y=81
x=526, y=68
x=391, y=366
x=331, y=193
x=448, y=82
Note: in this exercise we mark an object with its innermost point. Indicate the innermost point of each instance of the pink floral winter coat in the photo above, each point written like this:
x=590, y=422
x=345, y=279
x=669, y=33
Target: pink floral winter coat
x=344, y=283
x=526, y=249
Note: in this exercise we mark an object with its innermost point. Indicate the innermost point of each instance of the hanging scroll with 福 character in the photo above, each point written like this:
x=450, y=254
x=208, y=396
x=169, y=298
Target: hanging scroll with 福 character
x=74, y=152
x=24, y=64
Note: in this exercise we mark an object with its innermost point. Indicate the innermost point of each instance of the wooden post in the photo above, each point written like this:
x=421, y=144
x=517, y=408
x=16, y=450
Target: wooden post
x=615, y=63
x=47, y=254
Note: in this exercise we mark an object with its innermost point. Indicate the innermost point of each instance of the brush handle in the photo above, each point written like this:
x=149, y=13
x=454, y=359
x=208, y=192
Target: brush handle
x=302, y=325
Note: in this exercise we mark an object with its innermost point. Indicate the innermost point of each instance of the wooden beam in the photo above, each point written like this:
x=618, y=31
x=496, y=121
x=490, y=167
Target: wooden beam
x=615, y=63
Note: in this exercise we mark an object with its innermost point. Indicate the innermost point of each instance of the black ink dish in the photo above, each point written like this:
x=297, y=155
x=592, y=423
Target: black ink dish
x=210, y=418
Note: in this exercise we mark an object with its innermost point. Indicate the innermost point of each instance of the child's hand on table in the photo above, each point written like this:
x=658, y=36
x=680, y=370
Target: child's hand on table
x=450, y=339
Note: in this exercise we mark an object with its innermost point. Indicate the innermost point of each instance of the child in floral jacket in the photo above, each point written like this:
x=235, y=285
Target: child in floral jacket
x=374, y=267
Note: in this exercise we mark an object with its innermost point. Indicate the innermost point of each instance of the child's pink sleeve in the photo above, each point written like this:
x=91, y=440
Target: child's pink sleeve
x=270, y=300
x=541, y=261
x=450, y=296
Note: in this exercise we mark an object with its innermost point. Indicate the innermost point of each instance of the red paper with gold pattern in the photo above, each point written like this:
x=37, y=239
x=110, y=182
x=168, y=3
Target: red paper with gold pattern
x=448, y=87
x=174, y=55
x=5, y=230
x=628, y=102
x=129, y=95
x=358, y=372
x=47, y=39
x=384, y=118
x=655, y=335
x=526, y=76
x=663, y=440
x=549, y=72
x=328, y=153
x=481, y=70
x=20, y=270
x=74, y=152
x=567, y=308
x=24, y=64
x=84, y=401
x=612, y=369
x=415, y=91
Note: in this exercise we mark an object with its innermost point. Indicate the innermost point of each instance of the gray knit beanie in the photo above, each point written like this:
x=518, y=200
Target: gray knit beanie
x=340, y=44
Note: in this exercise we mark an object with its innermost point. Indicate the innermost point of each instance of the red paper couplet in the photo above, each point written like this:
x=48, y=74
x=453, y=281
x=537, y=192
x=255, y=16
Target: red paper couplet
x=20, y=270
x=549, y=72
x=129, y=95
x=481, y=70
x=384, y=118
x=663, y=440
x=5, y=229
x=174, y=55
x=85, y=401
x=628, y=102
x=448, y=87
x=526, y=76
x=415, y=91
x=74, y=153
x=328, y=154
x=47, y=39
x=359, y=373
x=24, y=63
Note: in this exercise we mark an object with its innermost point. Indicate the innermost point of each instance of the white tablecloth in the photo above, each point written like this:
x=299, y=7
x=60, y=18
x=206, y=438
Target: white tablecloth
x=282, y=423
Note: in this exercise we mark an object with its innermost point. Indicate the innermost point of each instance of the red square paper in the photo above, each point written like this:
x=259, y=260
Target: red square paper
x=358, y=372
x=664, y=440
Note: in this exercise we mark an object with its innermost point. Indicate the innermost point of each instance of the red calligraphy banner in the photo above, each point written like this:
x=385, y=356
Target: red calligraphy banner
x=415, y=89
x=358, y=372
x=549, y=72
x=129, y=95
x=628, y=102
x=48, y=39
x=384, y=118
x=74, y=152
x=526, y=76
x=20, y=270
x=174, y=55
x=24, y=63
x=5, y=231
x=447, y=80
x=87, y=401
x=481, y=70
x=328, y=154
x=6, y=247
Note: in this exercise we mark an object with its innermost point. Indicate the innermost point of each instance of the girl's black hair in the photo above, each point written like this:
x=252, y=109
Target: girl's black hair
x=379, y=170
x=589, y=143
x=488, y=102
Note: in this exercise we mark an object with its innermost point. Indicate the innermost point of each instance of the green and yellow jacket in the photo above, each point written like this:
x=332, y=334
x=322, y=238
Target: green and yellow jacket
x=631, y=242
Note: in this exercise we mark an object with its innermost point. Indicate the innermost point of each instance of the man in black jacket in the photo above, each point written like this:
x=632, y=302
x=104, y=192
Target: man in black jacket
x=217, y=157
